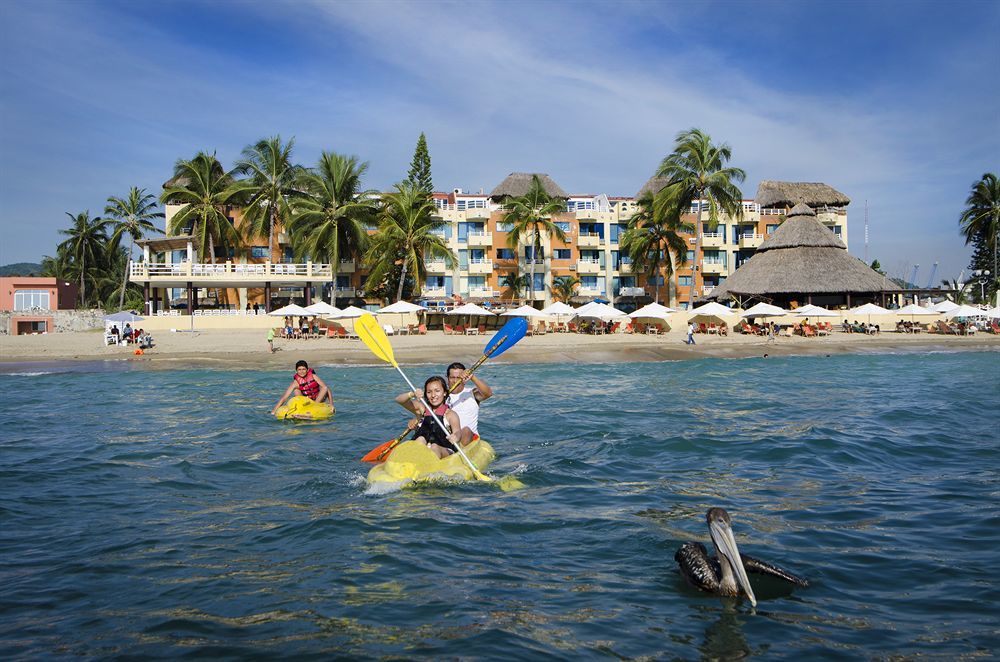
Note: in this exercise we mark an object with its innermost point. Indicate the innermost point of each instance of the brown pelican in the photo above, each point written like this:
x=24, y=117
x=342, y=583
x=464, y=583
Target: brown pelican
x=716, y=574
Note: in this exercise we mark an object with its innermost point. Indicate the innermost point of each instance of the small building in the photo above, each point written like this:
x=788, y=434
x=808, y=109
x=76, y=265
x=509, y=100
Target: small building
x=32, y=300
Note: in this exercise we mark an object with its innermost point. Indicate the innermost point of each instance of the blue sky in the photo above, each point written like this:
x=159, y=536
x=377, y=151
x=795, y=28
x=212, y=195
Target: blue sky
x=896, y=103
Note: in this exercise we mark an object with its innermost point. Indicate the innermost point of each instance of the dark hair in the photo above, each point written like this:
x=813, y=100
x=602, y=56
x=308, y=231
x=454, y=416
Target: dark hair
x=440, y=380
x=456, y=364
x=301, y=364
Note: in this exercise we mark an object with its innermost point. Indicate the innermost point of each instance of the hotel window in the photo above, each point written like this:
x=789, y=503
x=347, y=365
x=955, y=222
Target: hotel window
x=589, y=282
x=771, y=228
x=28, y=299
x=504, y=227
x=836, y=230
x=690, y=257
x=562, y=225
x=258, y=251
x=343, y=282
x=477, y=282
x=506, y=254
x=684, y=281
x=561, y=254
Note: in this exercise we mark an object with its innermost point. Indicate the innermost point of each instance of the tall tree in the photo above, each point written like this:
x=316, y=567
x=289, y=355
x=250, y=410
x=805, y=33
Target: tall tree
x=271, y=186
x=696, y=172
x=85, y=246
x=530, y=217
x=133, y=216
x=206, y=191
x=564, y=287
x=330, y=220
x=420, y=167
x=653, y=239
x=407, y=234
x=515, y=283
x=980, y=224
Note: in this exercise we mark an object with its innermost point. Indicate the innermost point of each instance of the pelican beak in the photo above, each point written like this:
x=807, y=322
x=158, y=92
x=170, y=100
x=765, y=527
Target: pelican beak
x=722, y=536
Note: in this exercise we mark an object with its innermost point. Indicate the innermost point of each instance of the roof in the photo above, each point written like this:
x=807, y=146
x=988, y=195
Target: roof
x=795, y=232
x=653, y=185
x=517, y=184
x=771, y=193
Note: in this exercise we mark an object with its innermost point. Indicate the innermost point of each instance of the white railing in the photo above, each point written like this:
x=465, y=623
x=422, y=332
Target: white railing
x=751, y=236
x=228, y=270
x=631, y=291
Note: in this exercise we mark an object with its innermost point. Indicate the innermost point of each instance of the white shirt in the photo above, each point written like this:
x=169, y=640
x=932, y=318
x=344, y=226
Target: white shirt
x=465, y=405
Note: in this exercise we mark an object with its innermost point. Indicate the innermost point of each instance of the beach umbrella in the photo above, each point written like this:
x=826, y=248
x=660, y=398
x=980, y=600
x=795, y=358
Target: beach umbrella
x=322, y=308
x=351, y=312
x=582, y=310
x=965, y=311
x=944, y=306
x=402, y=307
x=764, y=310
x=123, y=316
x=559, y=308
x=814, y=311
x=470, y=309
x=712, y=309
x=600, y=311
x=653, y=310
x=291, y=309
x=993, y=313
x=870, y=309
x=524, y=311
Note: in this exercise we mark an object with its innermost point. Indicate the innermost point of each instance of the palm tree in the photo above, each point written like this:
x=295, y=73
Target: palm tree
x=515, y=284
x=406, y=233
x=695, y=172
x=957, y=287
x=530, y=216
x=206, y=190
x=564, y=287
x=272, y=177
x=653, y=241
x=85, y=247
x=133, y=215
x=981, y=219
x=330, y=219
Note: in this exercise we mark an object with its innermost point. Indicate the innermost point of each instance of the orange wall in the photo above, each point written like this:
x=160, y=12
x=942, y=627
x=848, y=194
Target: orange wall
x=62, y=295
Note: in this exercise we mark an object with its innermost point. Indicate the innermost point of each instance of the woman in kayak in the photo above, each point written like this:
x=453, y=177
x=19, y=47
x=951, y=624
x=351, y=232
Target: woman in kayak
x=427, y=429
x=306, y=382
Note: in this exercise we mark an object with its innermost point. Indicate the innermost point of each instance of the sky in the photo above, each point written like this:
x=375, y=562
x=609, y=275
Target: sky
x=891, y=102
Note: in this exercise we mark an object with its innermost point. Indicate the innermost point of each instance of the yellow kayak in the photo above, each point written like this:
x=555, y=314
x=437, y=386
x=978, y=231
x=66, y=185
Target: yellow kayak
x=304, y=408
x=413, y=461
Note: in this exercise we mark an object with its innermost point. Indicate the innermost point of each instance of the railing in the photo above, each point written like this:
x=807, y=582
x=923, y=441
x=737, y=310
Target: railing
x=705, y=291
x=632, y=291
x=228, y=270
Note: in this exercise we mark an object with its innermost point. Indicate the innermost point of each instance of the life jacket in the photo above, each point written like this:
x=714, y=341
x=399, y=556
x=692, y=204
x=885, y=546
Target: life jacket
x=308, y=385
x=431, y=431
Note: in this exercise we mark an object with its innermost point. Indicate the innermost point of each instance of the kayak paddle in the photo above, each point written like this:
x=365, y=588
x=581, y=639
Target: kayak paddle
x=508, y=336
x=374, y=338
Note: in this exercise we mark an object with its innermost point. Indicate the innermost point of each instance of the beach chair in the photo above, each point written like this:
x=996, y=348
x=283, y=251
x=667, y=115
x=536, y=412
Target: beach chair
x=807, y=331
x=459, y=330
x=723, y=329
x=482, y=329
x=994, y=328
x=422, y=329
x=572, y=328
x=388, y=329
x=712, y=328
x=702, y=328
x=448, y=329
x=614, y=327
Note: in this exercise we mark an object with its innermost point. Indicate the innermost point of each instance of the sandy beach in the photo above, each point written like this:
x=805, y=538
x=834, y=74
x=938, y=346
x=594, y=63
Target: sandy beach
x=232, y=348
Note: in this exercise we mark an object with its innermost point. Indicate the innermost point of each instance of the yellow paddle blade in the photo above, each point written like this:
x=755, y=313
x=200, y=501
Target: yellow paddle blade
x=374, y=337
x=510, y=484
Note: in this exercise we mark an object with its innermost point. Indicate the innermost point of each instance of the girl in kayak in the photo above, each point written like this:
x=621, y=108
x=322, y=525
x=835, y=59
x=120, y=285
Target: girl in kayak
x=426, y=428
x=306, y=382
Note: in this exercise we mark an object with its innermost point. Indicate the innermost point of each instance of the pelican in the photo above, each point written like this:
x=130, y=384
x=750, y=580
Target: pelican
x=716, y=574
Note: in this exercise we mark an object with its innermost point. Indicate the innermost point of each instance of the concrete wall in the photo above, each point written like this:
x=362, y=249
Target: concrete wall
x=62, y=320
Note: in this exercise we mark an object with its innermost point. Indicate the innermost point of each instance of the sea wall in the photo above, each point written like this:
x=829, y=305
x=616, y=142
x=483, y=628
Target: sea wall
x=62, y=320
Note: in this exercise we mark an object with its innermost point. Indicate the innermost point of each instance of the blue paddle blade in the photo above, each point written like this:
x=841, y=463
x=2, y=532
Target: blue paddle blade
x=506, y=337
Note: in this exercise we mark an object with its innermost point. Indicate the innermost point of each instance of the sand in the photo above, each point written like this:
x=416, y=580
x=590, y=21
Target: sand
x=233, y=348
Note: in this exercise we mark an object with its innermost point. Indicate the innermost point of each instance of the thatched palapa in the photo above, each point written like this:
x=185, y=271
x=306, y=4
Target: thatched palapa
x=652, y=186
x=517, y=184
x=801, y=258
x=774, y=194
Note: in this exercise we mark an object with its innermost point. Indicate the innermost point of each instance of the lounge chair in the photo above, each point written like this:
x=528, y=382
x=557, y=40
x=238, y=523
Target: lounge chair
x=807, y=331
x=448, y=330
x=482, y=329
x=422, y=329
x=614, y=327
x=459, y=330
x=712, y=328
x=572, y=328
x=702, y=328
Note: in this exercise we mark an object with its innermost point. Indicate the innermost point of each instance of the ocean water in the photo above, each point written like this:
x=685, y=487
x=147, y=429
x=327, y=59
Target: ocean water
x=156, y=513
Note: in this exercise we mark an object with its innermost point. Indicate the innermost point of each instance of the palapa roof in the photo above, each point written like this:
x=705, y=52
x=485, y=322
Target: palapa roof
x=771, y=193
x=653, y=185
x=802, y=256
x=517, y=184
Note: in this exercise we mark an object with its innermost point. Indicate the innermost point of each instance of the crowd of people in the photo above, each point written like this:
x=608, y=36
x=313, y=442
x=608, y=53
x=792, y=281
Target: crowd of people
x=129, y=336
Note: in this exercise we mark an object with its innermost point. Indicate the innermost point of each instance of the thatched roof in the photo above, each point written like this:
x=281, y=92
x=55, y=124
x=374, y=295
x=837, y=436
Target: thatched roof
x=803, y=256
x=772, y=194
x=517, y=184
x=653, y=185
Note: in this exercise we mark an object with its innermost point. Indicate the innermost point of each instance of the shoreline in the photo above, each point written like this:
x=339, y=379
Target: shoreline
x=248, y=349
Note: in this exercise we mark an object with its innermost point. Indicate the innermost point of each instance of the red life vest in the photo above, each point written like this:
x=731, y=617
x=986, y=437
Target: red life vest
x=308, y=385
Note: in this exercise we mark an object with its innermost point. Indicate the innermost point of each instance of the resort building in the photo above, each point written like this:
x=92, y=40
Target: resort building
x=32, y=299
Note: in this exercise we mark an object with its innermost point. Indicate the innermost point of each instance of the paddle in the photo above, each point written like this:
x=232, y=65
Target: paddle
x=372, y=335
x=508, y=336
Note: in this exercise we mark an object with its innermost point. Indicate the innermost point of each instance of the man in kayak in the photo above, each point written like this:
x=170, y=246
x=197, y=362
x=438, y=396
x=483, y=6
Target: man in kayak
x=305, y=382
x=464, y=400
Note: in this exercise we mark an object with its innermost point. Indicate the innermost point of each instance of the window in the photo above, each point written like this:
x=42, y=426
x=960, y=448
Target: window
x=506, y=254
x=504, y=227
x=588, y=282
x=258, y=251
x=684, y=281
x=690, y=257
x=28, y=299
x=562, y=225
x=561, y=254
x=343, y=282
x=771, y=228
x=477, y=282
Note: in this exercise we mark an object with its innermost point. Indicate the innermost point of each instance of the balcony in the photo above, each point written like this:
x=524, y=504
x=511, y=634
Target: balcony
x=588, y=239
x=713, y=268
x=624, y=267
x=588, y=266
x=483, y=293
x=713, y=239
x=433, y=292
x=480, y=266
x=227, y=274
x=436, y=267
x=751, y=240
x=590, y=291
x=478, y=212
x=631, y=292
x=346, y=267
x=480, y=239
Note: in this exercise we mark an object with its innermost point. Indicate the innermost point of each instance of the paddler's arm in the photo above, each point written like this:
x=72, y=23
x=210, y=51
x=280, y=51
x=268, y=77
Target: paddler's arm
x=324, y=390
x=410, y=401
x=288, y=392
x=483, y=390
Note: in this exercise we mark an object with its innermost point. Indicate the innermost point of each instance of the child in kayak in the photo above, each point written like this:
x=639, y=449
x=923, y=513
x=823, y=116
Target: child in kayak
x=306, y=382
x=427, y=429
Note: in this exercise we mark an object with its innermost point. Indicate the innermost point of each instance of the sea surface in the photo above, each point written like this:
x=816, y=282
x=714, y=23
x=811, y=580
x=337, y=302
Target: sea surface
x=155, y=513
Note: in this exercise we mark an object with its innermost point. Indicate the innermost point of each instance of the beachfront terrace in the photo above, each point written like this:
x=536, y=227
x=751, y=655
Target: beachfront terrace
x=227, y=274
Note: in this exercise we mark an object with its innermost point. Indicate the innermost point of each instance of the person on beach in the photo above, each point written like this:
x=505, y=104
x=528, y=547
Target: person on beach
x=270, y=340
x=691, y=329
x=441, y=442
x=306, y=382
x=465, y=400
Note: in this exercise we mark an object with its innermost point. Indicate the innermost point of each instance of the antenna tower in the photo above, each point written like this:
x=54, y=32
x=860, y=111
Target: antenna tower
x=866, y=232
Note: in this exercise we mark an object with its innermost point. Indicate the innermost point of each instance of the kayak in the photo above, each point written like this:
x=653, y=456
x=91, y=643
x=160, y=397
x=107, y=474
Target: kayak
x=414, y=461
x=301, y=407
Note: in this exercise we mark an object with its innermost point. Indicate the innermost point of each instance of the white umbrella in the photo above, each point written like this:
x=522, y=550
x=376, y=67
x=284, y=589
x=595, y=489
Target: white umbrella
x=712, y=309
x=322, y=308
x=291, y=309
x=582, y=310
x=656, y=310
x=123, y=316
x=993, y=313
x=350, y=312
x=870, y=309
x=601, y=311
x=469, y=309
x=764, y=310
x=944, y=306
x=559, y=308
x=965, y=311
x=524, y=311
x=914, y=309
x=810, y=310
x=402, y=307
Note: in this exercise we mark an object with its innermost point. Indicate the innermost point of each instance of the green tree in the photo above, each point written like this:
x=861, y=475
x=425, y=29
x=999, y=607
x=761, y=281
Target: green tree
x=877, y=267
x=85, y=246
x=515, y=283
x=564, y=287
x=653, y=239
x=530, y=217
x=206, y=192
x=133, y=216
x=696, y=172
x=420, y=167
x=406, y=234
x=980, y=224
x=270, y=187
x=330, y=220
x=957, y=287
